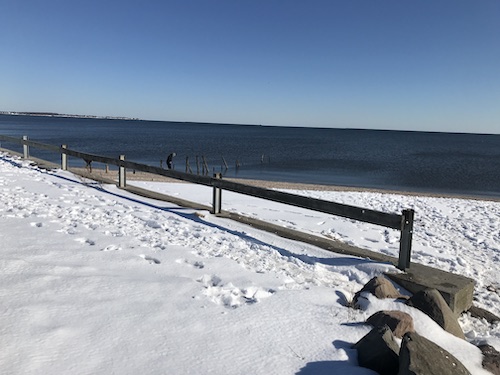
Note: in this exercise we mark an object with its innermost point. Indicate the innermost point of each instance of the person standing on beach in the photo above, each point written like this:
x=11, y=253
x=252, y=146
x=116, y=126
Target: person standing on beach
x=169, y=160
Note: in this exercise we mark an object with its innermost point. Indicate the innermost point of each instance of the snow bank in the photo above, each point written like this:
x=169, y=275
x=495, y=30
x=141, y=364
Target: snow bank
x=95, y=280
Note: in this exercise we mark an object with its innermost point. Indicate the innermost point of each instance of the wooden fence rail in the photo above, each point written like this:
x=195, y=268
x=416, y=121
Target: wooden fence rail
x=402, y=222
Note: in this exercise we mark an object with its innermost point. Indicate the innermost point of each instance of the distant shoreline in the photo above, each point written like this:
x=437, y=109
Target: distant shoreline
x=54, y=114
x=291, y=126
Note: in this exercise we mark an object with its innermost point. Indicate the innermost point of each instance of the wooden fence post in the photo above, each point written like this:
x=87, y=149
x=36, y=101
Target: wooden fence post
x=121, y=175
x=406, y=239
x=64, y=158
x=188, y=167
x=26, y=148
x=217, y=197
x=225, y=164
x=205, y=166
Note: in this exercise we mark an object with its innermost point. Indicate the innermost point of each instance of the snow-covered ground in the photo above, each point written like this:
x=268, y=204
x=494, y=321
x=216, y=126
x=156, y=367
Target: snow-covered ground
x=95, y=280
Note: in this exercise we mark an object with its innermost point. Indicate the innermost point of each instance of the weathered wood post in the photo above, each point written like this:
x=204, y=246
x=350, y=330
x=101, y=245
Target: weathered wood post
x=205, y=166
x=64, y=158
x=26, y=148
x=405, y=240
x=121, y=174
x=217, y=196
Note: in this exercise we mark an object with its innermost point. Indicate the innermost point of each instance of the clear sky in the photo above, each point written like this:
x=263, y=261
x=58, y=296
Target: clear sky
x=410, y=65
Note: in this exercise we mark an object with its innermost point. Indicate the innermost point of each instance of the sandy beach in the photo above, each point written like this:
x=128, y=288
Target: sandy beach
x=111, y=176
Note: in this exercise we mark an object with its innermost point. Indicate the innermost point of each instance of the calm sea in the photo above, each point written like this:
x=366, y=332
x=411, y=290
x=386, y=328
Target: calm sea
x=416, y=161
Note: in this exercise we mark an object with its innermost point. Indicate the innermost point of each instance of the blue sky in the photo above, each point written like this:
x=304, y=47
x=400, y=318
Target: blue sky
x=410, y=65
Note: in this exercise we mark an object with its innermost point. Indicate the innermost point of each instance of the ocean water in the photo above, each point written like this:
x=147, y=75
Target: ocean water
x=449, y=163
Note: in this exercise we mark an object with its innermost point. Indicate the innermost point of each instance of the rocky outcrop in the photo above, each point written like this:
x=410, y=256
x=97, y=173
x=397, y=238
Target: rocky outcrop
x=378, y=350
x=433, y=304
x=419, y=356
x=398, y=321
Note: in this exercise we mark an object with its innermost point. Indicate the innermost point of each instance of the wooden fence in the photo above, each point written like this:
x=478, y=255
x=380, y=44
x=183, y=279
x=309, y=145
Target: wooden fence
x=402, y=222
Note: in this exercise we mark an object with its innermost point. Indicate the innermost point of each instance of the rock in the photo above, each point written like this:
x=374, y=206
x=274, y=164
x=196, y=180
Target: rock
x=493, y=288
x=433, y=304
x=398, y=321
x=491, y=359
x=480, y=313
x=378, y=351
x=419, y=356
x=380, y=287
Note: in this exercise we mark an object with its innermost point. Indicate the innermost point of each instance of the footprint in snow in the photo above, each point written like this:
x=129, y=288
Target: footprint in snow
x=388, y=237
x=197, y=264
x=151, y=260
x=209, y=281
x=85, y=240
x=153, y=224
x=111, y=248
x=230, y=296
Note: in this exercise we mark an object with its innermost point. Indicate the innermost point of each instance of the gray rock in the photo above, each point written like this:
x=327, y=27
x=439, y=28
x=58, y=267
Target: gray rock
x=419, y=356
x=480, y=313
x=432, y=303
x=380, y=287
x=398, y=321
x=378, y=351
x=491, y=359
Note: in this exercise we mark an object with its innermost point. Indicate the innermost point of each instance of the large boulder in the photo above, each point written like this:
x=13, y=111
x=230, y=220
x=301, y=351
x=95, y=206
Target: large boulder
x=419, y=356
x=432, y=303
x=491, y=359
x=398, y=321
x=378, y=351
x=380, y=287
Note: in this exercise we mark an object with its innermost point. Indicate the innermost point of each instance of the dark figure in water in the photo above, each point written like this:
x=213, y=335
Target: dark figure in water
x=169, y=160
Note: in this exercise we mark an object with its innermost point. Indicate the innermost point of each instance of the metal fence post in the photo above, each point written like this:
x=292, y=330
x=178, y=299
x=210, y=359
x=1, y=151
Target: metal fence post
x=26, y=148
x=405, y=240
x=64, y=158
x=121, y=175
x=217, y=197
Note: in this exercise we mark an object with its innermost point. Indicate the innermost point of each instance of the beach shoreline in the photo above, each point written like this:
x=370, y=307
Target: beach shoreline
x=112, y=176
